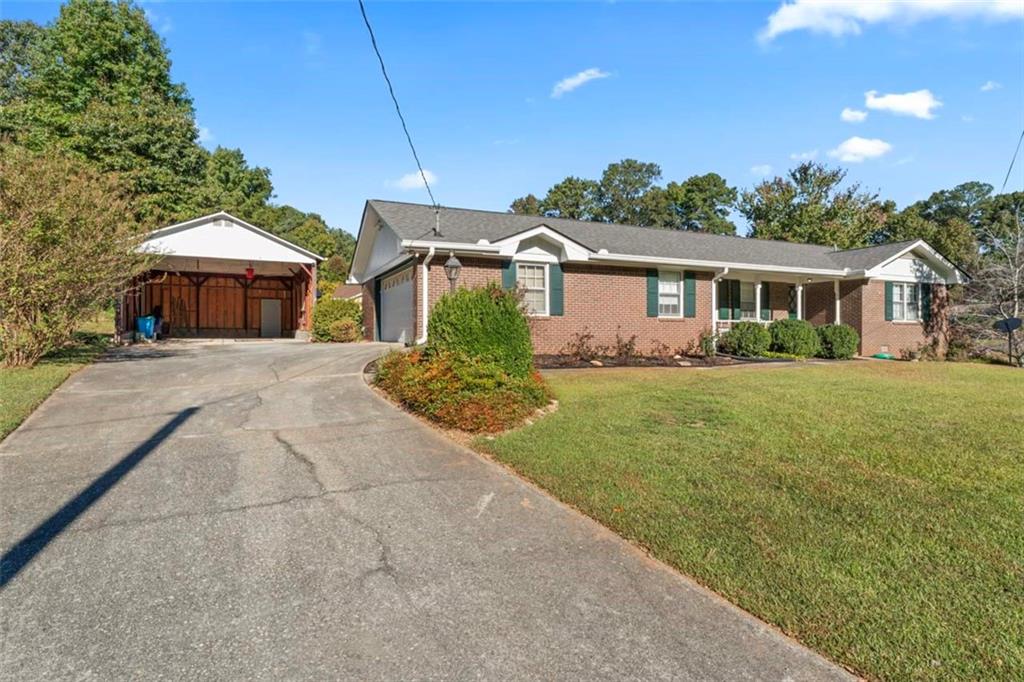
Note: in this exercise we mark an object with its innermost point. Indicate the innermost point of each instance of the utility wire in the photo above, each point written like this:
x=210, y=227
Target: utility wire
x=398, y=109
x=1014, y=159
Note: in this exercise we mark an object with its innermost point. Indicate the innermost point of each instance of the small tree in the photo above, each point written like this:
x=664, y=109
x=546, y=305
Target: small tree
x=996, y=291
x=68, y=244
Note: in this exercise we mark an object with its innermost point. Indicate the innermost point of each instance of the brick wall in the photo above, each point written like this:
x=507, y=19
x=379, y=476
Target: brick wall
x=369, y=313
x=881, y=336
x=602, y=300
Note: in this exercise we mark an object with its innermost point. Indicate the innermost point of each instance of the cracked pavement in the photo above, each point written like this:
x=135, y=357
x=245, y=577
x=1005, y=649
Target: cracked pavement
x=254, y=510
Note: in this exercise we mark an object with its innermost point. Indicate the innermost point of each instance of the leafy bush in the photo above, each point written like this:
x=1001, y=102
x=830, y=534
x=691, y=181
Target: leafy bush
x=838, y=341
x=486, y=324
x=795, y=337
x=330, y=310
x=345, y=331
x=746, y=339
x=471, y=394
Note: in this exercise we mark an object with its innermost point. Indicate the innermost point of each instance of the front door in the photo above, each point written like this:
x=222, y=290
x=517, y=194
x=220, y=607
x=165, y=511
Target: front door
x=270, y=318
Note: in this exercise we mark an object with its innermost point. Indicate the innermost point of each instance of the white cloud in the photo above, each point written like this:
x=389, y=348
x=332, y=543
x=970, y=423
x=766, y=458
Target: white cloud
x=989, y=86
x=857, y=149
x=572, y=82
x=849, y=17
x=852, y=115
x=967, y=118
x=804, y=156
x=205, y=135
x=918, y=104
x=414, y=181
x=761, y=169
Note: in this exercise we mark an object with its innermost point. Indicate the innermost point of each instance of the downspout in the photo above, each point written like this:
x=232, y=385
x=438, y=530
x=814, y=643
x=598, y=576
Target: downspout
x=424, y=288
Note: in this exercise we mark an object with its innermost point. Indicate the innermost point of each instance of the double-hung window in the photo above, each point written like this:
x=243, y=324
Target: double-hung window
x=906, y=299
x=668, y=294
x=533, y=280
x=748, y=308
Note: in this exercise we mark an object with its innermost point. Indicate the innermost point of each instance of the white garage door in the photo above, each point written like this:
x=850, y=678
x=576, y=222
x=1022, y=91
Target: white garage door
x=396, y=307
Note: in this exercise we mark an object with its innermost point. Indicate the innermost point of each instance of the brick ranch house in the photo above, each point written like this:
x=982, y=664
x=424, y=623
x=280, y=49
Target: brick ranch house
x=666, y=287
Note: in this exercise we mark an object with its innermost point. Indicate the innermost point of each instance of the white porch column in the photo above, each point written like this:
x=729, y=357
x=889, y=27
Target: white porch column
x=757, y=300
x=799, y=301
x=835, y=287
x=714, y=306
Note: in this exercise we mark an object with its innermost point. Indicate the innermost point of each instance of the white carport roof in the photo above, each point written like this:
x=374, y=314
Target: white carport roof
x=222, y=236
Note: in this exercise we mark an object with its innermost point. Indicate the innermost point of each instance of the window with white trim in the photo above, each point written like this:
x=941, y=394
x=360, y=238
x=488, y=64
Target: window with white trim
x=748, y=308
x=533, y=280
x=906, y=302
x=668, y=294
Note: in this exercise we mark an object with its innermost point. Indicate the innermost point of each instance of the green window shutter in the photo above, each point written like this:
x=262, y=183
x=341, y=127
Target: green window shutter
x=792, y=302
x=766, y=302
x=723, y=299
x=508, y=274
x=926, y=301
x=689, y=294
x=734, y=287
x=557, y=291
x=652, y=293
x=888, y=301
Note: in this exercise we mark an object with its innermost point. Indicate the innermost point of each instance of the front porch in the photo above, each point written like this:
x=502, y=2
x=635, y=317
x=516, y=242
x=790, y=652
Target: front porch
x=753, y=297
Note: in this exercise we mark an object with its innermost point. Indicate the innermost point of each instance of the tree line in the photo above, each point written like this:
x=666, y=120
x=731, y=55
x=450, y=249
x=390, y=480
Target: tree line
x=810, y=204
x=95, y=86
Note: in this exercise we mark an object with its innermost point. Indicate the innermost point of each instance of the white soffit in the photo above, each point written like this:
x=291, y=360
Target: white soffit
x=223, y=237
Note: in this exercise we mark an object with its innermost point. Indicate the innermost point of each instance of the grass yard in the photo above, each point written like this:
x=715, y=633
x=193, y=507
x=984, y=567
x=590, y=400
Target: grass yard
x=22, y=390
x=873, y=510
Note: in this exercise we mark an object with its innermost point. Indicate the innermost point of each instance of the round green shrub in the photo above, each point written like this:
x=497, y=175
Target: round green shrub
x=330, y=310
x=838, y=341
x=484, y=323
x=795, y=337
x=344, y=331
x=746, y=339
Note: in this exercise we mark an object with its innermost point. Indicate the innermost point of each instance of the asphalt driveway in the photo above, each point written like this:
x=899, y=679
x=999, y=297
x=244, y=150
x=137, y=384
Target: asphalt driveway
x=253, y=510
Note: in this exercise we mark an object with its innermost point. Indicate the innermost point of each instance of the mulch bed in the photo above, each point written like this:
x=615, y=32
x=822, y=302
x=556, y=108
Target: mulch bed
x=568, y=362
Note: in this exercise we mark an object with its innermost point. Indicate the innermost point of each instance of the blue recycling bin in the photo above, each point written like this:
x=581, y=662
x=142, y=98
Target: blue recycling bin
x=146, y=325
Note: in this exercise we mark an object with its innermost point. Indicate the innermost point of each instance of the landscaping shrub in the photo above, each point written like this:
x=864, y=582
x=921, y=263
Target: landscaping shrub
x=838, y=341
x=794, y=337
x=330, y=310
x=485, y=324
x=746, y=339
x=344, y=331
x=471, y=394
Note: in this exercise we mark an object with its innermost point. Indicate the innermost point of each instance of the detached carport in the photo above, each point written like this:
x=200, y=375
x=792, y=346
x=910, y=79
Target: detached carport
x=219, y=276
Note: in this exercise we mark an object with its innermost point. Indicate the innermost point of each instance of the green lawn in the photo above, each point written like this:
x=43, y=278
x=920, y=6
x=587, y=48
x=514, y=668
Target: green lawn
x=22, y=390
x=873, y=510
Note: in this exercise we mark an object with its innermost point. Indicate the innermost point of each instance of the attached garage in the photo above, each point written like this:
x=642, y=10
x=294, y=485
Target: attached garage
x=396, y=306
x=219, y=276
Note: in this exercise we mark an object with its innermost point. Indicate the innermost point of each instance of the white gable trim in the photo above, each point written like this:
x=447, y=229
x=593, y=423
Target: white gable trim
x=156, y=237
x=955, y=274
x=571, y=250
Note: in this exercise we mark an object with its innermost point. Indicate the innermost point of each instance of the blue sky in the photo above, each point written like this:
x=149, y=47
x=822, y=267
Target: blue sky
x=740, y=89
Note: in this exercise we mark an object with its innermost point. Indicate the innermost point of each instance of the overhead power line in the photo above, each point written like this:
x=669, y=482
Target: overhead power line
x=1014, y=159
x=398, y=109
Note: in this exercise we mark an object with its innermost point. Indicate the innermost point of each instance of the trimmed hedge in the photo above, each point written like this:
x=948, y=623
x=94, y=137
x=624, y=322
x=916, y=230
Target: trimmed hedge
x=330, y=310
x=458, y=392
x=794, y=337
x=838, y=341
x=746, y=339
x=486, y=324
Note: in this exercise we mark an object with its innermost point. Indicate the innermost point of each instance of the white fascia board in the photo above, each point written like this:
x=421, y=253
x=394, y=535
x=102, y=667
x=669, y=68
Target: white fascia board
x=716, y=265
x=957, y=276
x=574, y=251
x=422, y=245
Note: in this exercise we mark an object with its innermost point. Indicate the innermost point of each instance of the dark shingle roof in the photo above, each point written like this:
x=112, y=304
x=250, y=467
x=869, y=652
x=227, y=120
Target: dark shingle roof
x=459, y=225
